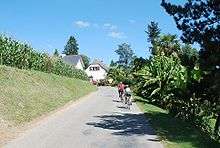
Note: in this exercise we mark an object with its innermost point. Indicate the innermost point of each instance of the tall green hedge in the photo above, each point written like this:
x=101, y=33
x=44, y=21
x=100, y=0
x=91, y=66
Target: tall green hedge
x=16, y=54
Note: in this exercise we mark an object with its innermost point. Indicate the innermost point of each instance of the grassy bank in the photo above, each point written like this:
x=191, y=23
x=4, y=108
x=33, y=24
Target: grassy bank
x=173, y=132
x=25, y=95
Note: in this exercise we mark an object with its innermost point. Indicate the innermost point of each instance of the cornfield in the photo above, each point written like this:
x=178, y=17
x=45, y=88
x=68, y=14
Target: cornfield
x=16, y=54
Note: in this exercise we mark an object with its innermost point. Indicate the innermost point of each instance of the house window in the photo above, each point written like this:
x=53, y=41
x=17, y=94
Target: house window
x=95, y=68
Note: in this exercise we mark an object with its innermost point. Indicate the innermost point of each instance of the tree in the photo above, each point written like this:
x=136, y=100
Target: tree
x=86, y=60
x=113, y=64
x=139, y=63
x=153, y=32
x=119, y=74
x=200, y=23
x=126, y=55
x=167, y=44
x=71, y=47
x=56, y=53
x=189, y=56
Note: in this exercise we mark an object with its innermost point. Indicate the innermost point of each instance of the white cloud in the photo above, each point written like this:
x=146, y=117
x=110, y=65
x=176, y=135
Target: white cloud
x=82, y=24
x=110, y=26
x=117, y=35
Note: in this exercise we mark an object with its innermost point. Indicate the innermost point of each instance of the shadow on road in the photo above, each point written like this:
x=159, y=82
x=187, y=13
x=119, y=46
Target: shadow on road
x=124, y=124
x=122, y=107
x=116, y=101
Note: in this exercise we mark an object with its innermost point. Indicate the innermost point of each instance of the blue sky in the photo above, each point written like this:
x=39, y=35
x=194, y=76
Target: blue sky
x=98, y=25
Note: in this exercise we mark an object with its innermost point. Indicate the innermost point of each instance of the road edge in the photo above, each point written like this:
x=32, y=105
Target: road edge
x=19, y=130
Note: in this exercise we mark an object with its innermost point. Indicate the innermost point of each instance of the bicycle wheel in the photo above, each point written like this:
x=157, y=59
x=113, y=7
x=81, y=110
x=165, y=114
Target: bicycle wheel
x=129, y=102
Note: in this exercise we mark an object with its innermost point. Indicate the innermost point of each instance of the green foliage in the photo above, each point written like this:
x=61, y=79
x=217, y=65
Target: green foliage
x=199, y=22
x=60, y=68
x=189, y=56
x=162, y=43
x=174, y=132
x=56, y=53
x=139, y=63
x=71, y=47
x=126, y=55
x=121, y=70
x=86, y=60
x=168, y=44
x=164, y=81
x=173, y=79
x=113, y=64
x=161, y=77
x=153, y=32
x=119, y=74
x=20, y=55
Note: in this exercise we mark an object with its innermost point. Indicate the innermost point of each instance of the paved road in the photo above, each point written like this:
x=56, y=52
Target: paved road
x=97, y=121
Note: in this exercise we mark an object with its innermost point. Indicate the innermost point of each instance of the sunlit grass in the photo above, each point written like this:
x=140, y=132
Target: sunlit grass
x=25, y=95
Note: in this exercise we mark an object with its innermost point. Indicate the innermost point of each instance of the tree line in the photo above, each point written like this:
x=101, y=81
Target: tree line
x=178, y=77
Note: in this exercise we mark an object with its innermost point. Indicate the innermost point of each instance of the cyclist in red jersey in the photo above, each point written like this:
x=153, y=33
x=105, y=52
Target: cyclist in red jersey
x=121, y=88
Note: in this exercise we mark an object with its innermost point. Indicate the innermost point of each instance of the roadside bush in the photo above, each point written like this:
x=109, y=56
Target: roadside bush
x=103, y=82
x=16, y=54
x=168, y=84
x=160, y=79
x=119, y=74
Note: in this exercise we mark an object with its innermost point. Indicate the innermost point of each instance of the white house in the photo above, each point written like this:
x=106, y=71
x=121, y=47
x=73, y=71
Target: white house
x=97, y=70
x=74, y=60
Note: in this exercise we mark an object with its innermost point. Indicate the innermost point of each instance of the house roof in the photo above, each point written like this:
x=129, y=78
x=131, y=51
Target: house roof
x=73, y=59
x=97, y=62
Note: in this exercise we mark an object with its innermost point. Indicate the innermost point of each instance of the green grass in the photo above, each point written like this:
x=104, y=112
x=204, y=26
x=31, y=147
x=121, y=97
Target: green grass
x=25, y=95
x=173, y=132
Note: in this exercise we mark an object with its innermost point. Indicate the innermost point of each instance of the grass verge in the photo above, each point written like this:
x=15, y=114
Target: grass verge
x=173, y=132
x=25, y=95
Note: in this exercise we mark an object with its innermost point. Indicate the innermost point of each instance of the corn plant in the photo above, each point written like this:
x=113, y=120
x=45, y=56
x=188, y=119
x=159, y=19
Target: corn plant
x=16, y=54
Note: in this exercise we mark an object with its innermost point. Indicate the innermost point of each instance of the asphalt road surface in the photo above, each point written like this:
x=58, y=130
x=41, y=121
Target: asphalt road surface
x=97, y=121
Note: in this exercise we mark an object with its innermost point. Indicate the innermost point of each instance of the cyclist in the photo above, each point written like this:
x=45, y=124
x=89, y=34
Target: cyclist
x=121, y=88
x=128, y=96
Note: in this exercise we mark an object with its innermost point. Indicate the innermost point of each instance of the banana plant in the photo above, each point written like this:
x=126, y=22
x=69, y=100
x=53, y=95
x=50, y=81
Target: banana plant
x=161, y=76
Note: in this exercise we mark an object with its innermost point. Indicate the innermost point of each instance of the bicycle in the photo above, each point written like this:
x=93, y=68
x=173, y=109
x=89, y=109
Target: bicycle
x=128, y=101
x=121, y=93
